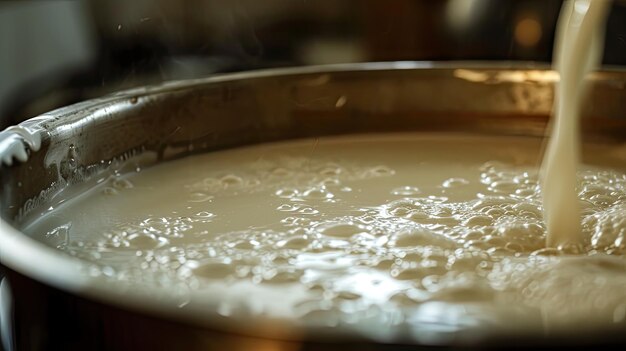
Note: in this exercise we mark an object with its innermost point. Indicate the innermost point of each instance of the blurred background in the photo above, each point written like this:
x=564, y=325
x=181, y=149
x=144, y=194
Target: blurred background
x=54, y=53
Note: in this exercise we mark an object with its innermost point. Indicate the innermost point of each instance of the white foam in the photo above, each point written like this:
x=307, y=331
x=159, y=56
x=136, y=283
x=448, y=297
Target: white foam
x=271, y=229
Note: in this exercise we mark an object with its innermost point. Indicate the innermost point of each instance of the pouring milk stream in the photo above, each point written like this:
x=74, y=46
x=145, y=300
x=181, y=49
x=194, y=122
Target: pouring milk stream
x=577, y=51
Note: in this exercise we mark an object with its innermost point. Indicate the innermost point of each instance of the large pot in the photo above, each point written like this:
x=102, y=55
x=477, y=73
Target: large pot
x=49, y=302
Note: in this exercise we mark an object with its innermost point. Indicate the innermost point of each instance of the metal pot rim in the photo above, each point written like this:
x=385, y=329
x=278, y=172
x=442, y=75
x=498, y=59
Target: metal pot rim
x=45, y=264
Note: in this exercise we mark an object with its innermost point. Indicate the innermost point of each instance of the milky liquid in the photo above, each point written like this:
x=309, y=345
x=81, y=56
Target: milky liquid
x=577, y=51
x=389, y=234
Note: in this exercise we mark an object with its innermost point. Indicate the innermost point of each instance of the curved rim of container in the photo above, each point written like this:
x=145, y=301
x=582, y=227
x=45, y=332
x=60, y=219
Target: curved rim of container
x=47, y=265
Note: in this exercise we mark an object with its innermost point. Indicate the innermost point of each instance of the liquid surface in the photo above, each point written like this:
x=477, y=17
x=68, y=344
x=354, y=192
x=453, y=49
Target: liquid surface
x=578, y=50
x=395, y=234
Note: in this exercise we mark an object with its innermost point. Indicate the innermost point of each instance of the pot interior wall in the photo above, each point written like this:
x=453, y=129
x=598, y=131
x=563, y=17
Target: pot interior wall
x=197, y=116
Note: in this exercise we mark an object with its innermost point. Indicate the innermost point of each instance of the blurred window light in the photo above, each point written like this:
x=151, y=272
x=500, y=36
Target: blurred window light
x=462, y=14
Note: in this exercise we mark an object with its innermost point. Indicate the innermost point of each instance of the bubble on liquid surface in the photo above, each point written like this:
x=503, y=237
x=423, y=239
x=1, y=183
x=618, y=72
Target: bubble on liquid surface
x=406, y=190
x=420, y=237
x=379, y=171
x=319, y=193
x=287, y=193
x=200, y=197
x=231, y=180
x=454, y=182
x=340, y=230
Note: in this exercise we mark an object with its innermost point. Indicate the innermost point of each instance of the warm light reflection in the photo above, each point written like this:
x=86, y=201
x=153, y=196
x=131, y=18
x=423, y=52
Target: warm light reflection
x=513, y=76
x=528, y=32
